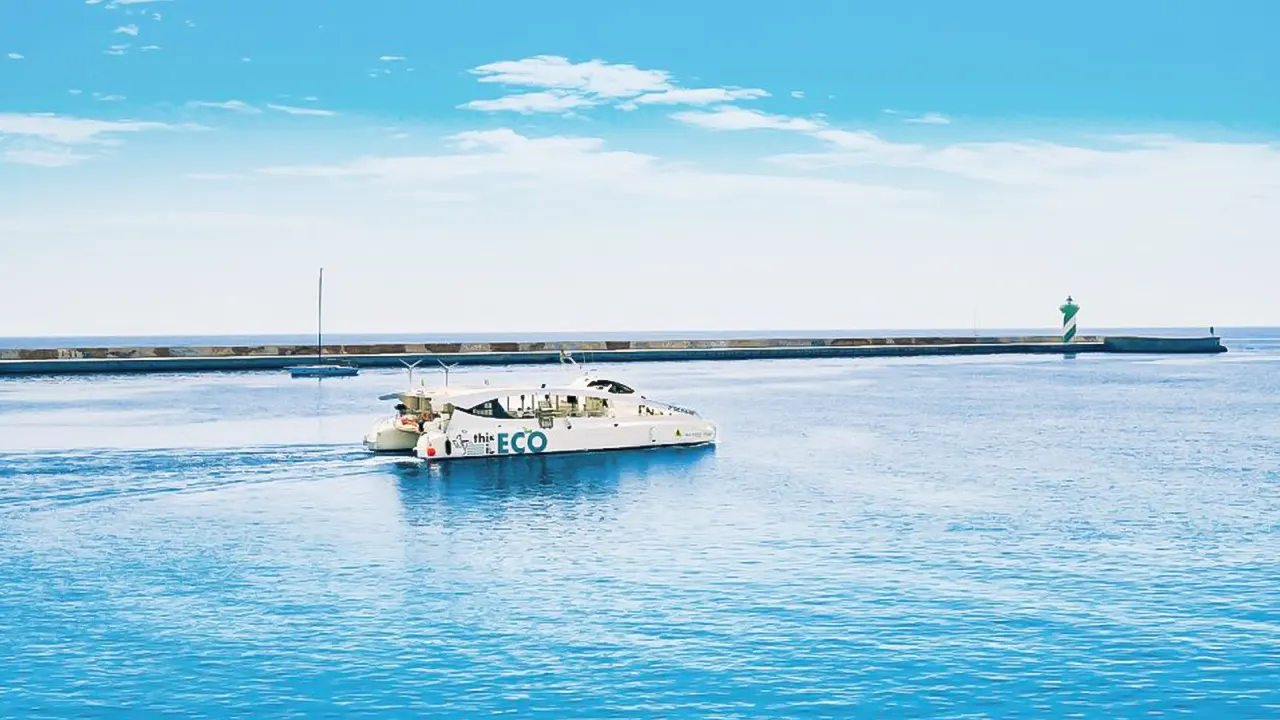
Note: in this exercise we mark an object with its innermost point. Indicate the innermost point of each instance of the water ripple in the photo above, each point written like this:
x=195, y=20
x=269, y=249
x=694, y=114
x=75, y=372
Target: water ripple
x=980, y=538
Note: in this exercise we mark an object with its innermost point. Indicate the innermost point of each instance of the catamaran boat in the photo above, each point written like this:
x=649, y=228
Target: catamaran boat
x=586, y=414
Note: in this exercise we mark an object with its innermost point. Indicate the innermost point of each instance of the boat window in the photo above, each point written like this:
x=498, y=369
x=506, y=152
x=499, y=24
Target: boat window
x=489, y=408
x=611, y=386
x=572, y=406
x=596, y=407
x=567, y=406
x=518, y=406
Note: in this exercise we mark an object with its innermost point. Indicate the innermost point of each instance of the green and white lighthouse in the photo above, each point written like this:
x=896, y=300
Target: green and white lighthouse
x=1069, y=310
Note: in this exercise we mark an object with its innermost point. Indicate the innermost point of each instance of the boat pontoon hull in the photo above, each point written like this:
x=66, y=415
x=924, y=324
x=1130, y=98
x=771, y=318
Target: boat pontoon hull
x=470, y=440
x=387, y=436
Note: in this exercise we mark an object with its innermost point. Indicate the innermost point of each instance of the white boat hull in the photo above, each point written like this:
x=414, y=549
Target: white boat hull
x=479, y=437
x=388, y=436
x=585, y=415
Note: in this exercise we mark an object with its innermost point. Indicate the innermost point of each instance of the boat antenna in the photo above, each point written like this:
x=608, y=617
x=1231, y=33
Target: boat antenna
x=411, y=367
x=320, y=320
x=446, y=371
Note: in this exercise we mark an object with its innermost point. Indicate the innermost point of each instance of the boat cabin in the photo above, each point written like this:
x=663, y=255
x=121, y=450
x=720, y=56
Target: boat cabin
x=585, y=397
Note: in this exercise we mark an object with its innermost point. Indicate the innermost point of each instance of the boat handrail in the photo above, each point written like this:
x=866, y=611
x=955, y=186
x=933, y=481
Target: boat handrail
x=668, y=406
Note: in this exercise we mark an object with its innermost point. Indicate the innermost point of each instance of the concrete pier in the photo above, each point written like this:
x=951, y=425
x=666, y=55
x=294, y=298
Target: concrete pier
x=85, y=360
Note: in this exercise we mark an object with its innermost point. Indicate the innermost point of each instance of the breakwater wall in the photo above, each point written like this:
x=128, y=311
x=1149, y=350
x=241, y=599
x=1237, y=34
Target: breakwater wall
x=84, y=360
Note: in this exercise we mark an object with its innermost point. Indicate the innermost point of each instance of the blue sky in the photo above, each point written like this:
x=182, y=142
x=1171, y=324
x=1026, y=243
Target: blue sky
x=689, y=165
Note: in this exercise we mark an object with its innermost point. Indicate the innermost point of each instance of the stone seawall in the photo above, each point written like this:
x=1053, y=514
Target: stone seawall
x=341, y=351
x=82, y=360
x=1162, y=345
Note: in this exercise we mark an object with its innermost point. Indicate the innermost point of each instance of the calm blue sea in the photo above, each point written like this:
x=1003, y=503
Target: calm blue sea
x=1000, y=537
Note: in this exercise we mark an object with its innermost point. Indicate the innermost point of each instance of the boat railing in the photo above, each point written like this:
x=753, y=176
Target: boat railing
x=671, y=408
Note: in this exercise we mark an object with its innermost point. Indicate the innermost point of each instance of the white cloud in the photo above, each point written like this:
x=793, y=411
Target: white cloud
x=525, y=103
x=71, y=130
x=131, y=30
x=302, y=111
x=1023, y=163
x=635, y=220
x=594, y=77
x=853, y=148
x=43, y=158
x=699, y=96
x=74, y=91
x=15, y=56
x=149, y=48
x=488, y=153
x=47, y=140
x=1031, y=165
x=954, y=211
x=491, y=155
x=849, y=147
x=111, y=98
x=797, y=94
x=1013, y=163
x=508, y=140
x=135, y=2
x=931, y=119
x=729, y=117
x=117, y=49
x=863, y=141
x=562, y=84
x=233, y=105
x=391, y=58
x=1018, y=163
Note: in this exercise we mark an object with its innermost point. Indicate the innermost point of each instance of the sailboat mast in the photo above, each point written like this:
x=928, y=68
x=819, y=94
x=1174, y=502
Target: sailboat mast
x=320, y=319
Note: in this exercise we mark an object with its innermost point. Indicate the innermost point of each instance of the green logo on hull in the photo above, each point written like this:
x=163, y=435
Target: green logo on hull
x=521, y=443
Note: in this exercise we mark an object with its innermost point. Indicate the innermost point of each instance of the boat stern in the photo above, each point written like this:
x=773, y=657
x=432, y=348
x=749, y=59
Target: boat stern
x=387, y=436
x=433, y=445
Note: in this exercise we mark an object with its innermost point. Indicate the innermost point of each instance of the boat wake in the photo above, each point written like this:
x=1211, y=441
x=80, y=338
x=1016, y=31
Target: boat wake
x=41, y=479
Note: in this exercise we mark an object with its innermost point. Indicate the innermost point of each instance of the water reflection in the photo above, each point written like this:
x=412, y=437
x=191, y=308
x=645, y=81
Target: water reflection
x=556, y=478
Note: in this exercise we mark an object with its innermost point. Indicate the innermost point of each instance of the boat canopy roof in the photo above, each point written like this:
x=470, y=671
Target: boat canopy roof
x=584, y=386
x=463, y=398
x=475, y=396
x=424, y=392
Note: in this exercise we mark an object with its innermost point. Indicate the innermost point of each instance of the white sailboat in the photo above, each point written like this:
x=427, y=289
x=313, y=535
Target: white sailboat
x=321, y=369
